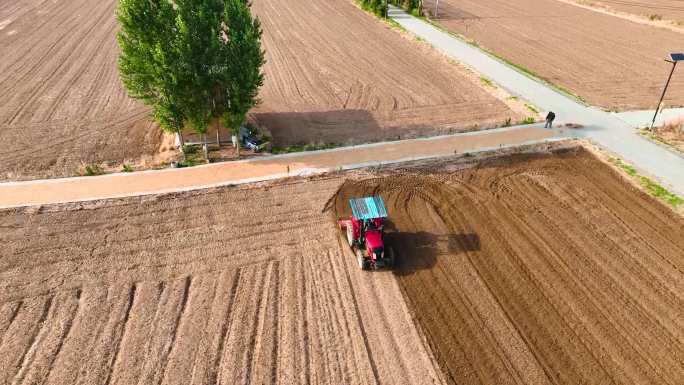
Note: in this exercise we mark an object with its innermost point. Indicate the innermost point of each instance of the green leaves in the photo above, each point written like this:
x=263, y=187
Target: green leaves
x=243, y=58
x=191, y=60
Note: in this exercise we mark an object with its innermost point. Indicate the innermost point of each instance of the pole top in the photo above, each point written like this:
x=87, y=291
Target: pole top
x=677, y=56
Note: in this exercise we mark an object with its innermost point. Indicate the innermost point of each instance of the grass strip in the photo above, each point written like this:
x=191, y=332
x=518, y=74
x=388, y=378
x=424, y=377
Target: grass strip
x=648, y=184
x=660, y=141
x=304, y=148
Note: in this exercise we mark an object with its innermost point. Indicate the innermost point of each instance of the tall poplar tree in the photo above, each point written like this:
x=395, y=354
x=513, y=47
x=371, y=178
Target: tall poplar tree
x=191, y=60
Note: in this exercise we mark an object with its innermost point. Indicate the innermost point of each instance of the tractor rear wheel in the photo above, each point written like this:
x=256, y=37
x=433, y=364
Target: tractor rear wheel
x=363, y=264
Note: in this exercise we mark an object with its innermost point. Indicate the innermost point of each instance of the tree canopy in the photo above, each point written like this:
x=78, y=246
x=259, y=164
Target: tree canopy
x=191, y=60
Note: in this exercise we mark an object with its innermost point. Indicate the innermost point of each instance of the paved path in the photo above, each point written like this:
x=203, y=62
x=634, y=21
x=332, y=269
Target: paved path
x=643, y=119
x=258, y=169
x=605, y=129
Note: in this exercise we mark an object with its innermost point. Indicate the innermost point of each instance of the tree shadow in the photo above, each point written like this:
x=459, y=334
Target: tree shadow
x=319, y=127
x=421, y=250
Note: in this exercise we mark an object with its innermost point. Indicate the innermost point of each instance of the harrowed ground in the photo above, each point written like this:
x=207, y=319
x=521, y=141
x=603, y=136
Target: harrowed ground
x=538, y=267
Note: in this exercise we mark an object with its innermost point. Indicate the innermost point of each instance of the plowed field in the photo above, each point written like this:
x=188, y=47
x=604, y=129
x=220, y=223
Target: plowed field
x=61, y=101
x=335, y=74
x=536, y=270
x=665, y=9
x=609, y=61
x=227, y=286
x=527, y=269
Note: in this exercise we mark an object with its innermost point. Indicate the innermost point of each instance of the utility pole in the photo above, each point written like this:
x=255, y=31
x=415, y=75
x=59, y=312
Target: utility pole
x=436, y=8
x=676, y=57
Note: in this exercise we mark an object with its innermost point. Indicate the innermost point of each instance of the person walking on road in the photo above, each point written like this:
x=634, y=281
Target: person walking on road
x=549, y=119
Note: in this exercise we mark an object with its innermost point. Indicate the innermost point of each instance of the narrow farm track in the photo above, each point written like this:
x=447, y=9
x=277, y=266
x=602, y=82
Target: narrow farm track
x=592, y=54
x=63, y=104
x=246, y=285
x=337, y=74
x=538, y=270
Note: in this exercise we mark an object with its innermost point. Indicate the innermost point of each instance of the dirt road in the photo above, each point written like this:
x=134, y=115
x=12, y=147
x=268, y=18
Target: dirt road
x=538, y=269
x=260, y=169
x=592, y=54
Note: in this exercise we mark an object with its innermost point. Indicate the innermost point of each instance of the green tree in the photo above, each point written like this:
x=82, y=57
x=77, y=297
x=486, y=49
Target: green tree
x=191, y=60
x=148, y=62
x=244, y=58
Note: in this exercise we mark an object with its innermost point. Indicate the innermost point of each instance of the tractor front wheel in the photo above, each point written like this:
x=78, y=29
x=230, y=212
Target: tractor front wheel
x=363, y=264
x=350, y=235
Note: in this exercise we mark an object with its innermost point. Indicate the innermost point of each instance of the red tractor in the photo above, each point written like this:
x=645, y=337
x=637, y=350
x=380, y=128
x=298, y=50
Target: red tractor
x=365, y=233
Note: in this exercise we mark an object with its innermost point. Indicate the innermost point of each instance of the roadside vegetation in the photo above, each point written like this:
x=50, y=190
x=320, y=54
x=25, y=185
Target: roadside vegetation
x=192, y=156
x=90, y=170
x=669, y=135
x=304, y=148
x=648, y=184
x=414, y=7
x=374, y=6
x=378, y=7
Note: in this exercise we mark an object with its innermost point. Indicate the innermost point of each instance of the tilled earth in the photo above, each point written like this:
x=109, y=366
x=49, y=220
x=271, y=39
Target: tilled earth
x=61, y=101
x=227, y=286
x=545, y=268
x=655, y=9
x=336, y=74
x=538, y=269
x=609, y=61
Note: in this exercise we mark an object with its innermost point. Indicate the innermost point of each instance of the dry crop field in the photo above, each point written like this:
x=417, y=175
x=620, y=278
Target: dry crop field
x=61, y=101
x=335, y=74
x=665, y=9
x=536, y=268
x=609, y=61
x=226, y=286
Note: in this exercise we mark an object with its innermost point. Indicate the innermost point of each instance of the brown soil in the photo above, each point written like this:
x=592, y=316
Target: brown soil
x=225, y=286
x=526, y=269
x=63, y=104
x=336, y=74
x=592, y=54
x=538, y=269
x=651, y=9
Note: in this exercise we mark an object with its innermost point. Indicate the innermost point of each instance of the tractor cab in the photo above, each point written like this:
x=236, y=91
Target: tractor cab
x=365, y=233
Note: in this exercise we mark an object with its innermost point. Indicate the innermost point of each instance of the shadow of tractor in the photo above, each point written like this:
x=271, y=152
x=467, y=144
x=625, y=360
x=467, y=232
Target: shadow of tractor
x=421, y=250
